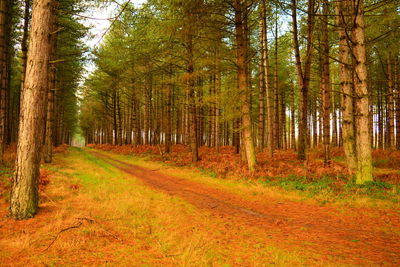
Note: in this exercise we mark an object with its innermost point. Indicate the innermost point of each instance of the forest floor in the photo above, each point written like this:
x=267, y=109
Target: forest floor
x=103, y=208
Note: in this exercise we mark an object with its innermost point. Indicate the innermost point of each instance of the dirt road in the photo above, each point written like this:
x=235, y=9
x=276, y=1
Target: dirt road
x=349, y=236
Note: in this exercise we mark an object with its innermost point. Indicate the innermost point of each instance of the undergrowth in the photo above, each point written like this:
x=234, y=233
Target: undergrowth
x=310, y=179
x=336, y=188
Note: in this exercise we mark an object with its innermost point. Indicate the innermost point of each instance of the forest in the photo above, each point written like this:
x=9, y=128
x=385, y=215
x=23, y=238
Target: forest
x=130, y=129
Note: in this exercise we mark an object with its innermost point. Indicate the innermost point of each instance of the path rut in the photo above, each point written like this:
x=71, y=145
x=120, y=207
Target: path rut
x=359, y=238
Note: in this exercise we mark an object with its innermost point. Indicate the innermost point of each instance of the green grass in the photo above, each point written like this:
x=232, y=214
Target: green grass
x=335, y=188
x=324, y=190
x=153, y=219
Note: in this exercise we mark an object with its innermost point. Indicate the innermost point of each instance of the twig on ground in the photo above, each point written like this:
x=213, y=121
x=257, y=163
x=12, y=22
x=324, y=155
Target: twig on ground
x=63, y=230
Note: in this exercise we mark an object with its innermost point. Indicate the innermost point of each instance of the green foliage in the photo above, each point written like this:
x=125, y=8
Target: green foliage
x=335, y=188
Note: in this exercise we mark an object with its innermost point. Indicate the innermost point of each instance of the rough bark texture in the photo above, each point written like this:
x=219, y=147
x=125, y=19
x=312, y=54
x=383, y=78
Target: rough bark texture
x=24, y=195
x=48, y=143
x=326, y=83
x=3, y=90
x=363, y=136
x=168, y=118
x=193, y=126
x=391, y=140
x=241, y=61
x=304, y=76
x=261, y=120
x=397, y=96
x=276, y=131
x=268, y=92
x=346, y=86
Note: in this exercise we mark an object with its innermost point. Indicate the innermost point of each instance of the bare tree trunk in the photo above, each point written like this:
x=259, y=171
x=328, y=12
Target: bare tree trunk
x=261, y=119
x=326, y=83
x=304, y=77
x=269, y=124
x=292, y=128
x=24, y=195
x=24, y=51
x=363, y=135
x=283, y=120
x=277, y=139
x=390, y=143
x=193, y=127
x=334, y=116
x=397, y=91
x=380, y=120
x=168, y=129
x=119, y=120
x=146, y=112
x=3, y=89
x=217, y=106
x=241, y=59
x=313, y=112
x=346, y=86
x=48, y=143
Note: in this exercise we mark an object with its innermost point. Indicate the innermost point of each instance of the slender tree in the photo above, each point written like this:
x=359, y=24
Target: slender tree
x=241, y=62
x=303, y=73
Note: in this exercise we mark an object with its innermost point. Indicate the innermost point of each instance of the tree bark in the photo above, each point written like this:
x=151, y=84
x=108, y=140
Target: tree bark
x=193, y=127
x=3, y=89
x=261, y=101
x=363, y=135
x=48, y=143
x=391, y=140
x=24, y=196
x=269, y=124
x=304, y=76
x=277, y=139
x=326, y=83
x=397, y=100
x=241, y=62
x=168, y=128
x=346, y=85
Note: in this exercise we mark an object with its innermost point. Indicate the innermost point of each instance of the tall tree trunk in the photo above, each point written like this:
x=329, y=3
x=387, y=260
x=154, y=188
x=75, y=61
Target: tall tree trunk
x=168, y=128
x=24, y=52
x=119, y=120
x=397, y=100
x=334, y=115
x=24, y=195
x=326, y=83
x=241, y=61
x=277, y=133
x=146, y=112
x=363, y=135
x=391, y=141
x=3, y=64
x=217, y=105
x=261, y=119
x=48, y=142
x=304, y=76
x=193, y=127
x=292, y=121
x=346, y=85
x=269, y=124
x=115, y=122
x=283, y=120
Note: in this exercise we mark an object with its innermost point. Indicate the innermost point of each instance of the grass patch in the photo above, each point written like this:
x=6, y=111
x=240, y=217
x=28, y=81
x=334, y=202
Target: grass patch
x=123, y=223
x=336, y=190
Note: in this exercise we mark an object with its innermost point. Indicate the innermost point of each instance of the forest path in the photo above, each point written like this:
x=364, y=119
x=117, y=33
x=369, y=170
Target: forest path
x=341, y=236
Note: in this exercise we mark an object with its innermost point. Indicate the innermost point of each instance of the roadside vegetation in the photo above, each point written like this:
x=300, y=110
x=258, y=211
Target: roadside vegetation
x=284, y=173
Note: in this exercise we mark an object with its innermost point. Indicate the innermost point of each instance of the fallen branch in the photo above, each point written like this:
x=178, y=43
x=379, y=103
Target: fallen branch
x=63, y=230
